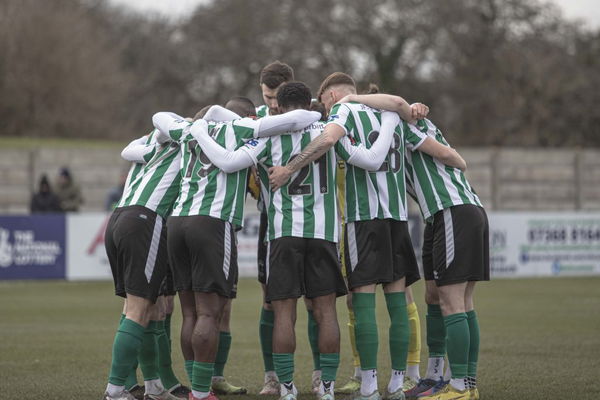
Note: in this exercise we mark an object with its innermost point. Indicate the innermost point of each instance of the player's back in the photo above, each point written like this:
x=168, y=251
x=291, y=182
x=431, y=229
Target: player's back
x=306, y=206
x=154, y=185
x=434, y=185
x=205, y=189
x=137, y=167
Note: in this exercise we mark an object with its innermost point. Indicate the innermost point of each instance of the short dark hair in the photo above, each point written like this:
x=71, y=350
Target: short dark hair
x=337, y=78
x=242, y=106
x=294, y=95
x=320, y=108
x=275, y=74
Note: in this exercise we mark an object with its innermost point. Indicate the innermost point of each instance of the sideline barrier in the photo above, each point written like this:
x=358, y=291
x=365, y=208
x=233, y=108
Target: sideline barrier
x=544, y=244
x=32, y=247
x=71, y=246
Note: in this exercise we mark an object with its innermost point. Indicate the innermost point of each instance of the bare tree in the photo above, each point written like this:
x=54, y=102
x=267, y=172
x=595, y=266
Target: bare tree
x=495, y=72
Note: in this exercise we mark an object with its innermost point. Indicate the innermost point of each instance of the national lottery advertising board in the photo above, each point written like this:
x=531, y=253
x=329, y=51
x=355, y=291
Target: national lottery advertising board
x=32, y=247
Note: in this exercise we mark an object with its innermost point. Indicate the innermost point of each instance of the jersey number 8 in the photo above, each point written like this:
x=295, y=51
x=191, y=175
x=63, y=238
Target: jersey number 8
x=394, y=156
x=208, y=166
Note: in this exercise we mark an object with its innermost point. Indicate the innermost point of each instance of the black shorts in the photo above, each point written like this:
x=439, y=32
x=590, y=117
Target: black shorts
x=300, y=266
x=379, y=251
x=427, y=251
x=136, y=245
x=456, y=246
x=203, y=255
x=167, y=288
x=262, y=248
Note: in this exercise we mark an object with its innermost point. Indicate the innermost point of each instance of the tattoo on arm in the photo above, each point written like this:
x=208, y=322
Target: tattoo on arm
x=314, y=150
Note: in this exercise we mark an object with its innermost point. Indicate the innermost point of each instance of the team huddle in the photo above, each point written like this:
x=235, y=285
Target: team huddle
x=332, y=177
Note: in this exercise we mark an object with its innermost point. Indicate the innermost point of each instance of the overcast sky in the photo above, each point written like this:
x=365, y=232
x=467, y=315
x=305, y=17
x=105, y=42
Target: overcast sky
x=586, y=10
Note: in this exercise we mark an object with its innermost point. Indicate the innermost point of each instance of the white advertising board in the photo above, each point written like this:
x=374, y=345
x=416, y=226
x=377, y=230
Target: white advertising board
x=544, y=244
x=86, y=255
x=521, y=244
x=247, y=242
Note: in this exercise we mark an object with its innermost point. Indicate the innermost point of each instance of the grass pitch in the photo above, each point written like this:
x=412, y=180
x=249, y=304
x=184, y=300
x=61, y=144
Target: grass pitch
x=540, y=339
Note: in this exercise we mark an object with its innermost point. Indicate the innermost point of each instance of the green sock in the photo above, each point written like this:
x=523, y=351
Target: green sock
x=457, y=343
x=189, y=368
x=222, y=353
x=165, y=364
x=265, y=332
x=284, y=366
x=365, y=329
x=399, y=329
x=329, y=365
x=313, y=339
x=131, y=380
x=148, y=351
x=436, y=331
x=201, y=376
x=168, y=328
x=473, y=343
x=126, y=346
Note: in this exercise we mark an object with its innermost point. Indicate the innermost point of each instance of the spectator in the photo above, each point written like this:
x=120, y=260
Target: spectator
x=68, y=191
x=114, y=194
x=44, y=200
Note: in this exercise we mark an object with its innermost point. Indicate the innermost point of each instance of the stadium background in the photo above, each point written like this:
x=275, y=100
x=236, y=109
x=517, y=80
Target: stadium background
x=513, y=84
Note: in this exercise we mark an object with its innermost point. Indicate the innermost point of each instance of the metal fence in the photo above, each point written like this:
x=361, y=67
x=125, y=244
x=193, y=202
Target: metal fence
x=516, y=179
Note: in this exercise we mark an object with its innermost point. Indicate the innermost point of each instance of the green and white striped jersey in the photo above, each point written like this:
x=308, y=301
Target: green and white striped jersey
x=137, y=167
x=305, y=207
x=262, y=111
x=433, y=185
x=154, y=185
x=205, y=189
x=382, y=193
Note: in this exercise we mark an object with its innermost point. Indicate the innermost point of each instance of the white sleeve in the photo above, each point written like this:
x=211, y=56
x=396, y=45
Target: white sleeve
x=138, y=151
x=220, y=114
x=290, y=121
x=226, y=160
x=372, y=158
x=168, y=124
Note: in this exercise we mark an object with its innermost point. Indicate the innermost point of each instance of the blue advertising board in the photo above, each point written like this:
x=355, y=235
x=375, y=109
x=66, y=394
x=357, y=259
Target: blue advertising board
x=32, y=247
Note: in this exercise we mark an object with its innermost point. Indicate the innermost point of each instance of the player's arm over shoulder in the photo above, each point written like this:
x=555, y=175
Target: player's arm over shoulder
x=386, y=102
x=169, y=125
x=226, y=160
x=140, y=150
x=286, y=122
x=371, y=158
x=426, y=143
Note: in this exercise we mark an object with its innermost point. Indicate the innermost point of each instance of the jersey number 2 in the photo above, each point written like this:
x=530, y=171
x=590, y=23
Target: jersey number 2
x=299, y=187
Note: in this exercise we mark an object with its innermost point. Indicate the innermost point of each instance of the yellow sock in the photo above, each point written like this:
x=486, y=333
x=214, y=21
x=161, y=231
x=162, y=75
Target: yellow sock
x=355, y=358
x=414, y=344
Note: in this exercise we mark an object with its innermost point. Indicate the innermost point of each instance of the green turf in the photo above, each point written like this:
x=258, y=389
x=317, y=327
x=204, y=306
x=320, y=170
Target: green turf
x=540, y=339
